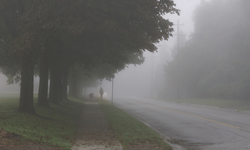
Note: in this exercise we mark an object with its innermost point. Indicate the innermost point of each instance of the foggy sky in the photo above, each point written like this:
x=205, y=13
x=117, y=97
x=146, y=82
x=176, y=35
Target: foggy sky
x=140, y=80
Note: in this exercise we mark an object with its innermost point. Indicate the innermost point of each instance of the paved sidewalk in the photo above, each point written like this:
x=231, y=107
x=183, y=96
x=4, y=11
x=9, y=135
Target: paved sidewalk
x=93, y=131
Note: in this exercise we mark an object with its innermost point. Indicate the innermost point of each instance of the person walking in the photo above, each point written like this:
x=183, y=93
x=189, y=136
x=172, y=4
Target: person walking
x=101, y=92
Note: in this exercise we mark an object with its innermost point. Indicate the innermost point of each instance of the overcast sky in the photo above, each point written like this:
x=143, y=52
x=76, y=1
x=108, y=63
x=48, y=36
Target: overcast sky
x=140, y=80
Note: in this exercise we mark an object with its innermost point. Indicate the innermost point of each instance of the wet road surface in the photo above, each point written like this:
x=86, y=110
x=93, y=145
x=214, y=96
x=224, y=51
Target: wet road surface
x=194, y=126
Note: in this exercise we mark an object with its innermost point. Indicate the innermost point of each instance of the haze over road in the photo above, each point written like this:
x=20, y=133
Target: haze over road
x=198, y=127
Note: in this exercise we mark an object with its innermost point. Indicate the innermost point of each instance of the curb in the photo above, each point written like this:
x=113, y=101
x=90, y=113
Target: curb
x=165, y=137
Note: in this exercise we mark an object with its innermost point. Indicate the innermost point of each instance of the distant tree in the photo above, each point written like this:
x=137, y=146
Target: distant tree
x=215, y=63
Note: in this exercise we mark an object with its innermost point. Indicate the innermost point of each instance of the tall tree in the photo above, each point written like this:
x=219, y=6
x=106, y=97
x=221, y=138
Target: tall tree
x=29, y=25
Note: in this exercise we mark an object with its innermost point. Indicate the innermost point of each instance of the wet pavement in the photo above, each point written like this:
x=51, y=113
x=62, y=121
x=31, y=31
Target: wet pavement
x=94, y=132
x=192, y=126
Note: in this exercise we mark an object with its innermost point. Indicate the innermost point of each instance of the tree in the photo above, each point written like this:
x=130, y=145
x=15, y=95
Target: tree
x=26, y=25
x=215, y=57
x=99, y=44
x=30, y=25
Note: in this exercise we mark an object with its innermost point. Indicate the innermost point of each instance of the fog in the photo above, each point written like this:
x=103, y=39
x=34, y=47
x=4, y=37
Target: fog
x=5, y=88
x=141, y=80
x=146, y=79
x=194, y=90
x=211, y=61
x=14, y=88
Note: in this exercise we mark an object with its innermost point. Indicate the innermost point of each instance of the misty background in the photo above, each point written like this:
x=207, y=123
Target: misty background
x=148, y=79
x=207, y=58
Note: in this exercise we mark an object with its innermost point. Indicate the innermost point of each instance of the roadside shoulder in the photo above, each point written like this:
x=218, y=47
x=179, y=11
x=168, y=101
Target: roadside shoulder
x=133, y=133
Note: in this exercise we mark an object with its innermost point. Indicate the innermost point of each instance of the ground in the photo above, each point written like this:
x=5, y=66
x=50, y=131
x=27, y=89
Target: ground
x=93, y=128
x=12, y=141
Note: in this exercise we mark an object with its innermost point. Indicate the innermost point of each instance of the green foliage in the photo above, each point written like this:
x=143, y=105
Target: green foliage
x=129, y=130
x=83, y=31
x=101, y=36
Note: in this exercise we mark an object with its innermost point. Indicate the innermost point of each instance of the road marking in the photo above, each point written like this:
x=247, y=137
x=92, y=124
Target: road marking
x=203, y=118
x=194, y=116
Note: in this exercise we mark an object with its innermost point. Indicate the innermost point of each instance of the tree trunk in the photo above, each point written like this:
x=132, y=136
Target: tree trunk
x=43, y=83
x=27, y=81
x=73, y=87
x=65, y=83
x=59, y=86
x=55, y=85
x=85, y=91
x=79, y=90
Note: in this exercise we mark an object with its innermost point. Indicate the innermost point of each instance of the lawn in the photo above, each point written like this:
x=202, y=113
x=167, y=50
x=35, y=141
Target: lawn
x=223, y=103
x=55, y=126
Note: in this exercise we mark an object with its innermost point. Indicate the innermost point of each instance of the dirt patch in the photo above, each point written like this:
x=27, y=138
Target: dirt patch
x=145, y=146
x=13, y=141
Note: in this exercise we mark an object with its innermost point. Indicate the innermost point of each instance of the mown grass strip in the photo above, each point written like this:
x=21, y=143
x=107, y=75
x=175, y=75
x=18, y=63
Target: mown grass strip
x=56, y=126
x=129, y=130
x=224, y=103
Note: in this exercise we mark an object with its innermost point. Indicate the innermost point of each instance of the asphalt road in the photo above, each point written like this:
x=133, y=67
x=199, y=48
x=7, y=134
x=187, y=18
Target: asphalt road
x=195, y=127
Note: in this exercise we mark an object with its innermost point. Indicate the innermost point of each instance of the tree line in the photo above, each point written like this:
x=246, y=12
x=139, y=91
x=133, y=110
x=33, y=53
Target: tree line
x=70, y=42
x=215, y=61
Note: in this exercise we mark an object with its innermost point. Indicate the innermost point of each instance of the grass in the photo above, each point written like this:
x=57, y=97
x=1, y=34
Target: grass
x=129, y=130
x=224, y=103
x=56, y=126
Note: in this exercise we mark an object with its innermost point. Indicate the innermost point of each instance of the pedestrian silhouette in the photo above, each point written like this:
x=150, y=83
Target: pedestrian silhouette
x=101, y=92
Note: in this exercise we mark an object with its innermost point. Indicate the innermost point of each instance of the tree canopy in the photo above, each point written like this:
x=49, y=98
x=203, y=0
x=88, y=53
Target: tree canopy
x=93, y=34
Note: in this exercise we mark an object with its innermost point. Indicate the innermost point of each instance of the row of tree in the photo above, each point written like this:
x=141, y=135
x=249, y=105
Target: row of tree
x=83, y=39
x=215, y=61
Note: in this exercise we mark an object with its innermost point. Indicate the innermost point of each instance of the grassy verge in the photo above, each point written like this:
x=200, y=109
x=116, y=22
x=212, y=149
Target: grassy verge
x=129, y=130
x=56, y=126
x=224, y=103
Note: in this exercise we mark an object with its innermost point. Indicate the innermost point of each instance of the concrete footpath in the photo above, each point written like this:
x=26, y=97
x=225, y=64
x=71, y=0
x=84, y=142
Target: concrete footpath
x=94, y=132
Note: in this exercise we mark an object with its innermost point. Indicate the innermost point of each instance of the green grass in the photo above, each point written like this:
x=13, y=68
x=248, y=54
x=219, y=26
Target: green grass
x=129, y=130
x=56, y=126
x=224, y=103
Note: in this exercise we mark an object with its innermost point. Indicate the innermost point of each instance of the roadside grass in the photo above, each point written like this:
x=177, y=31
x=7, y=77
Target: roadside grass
x=55, y=126
x=224, y=103
x=129, y=130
